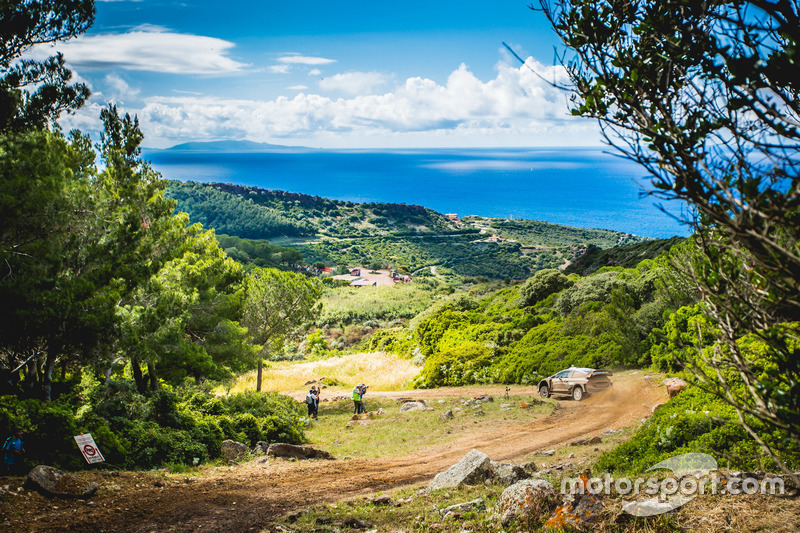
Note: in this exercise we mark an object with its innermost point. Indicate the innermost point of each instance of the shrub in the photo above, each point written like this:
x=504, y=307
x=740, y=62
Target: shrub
x=693, y=421
x=463, y=365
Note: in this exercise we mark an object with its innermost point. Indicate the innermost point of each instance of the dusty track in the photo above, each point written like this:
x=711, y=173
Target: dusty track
x=249, y=497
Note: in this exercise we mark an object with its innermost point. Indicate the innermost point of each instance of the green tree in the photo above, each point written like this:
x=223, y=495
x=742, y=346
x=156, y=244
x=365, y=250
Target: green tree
x=543, y=284
x=704, y=96
x=278, y=304
x=27, y=23
x=184, y=321
x=85, y=242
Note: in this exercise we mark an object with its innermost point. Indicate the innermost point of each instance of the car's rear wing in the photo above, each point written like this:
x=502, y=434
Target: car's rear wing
x=600, y=371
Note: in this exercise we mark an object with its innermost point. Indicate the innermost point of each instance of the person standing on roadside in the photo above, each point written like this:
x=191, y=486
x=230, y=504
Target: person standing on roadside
x=312, y=401
x=358, y=402
x=13, y=450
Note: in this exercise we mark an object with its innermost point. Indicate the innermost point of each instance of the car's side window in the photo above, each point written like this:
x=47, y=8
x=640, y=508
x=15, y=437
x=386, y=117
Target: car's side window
x=563, y=374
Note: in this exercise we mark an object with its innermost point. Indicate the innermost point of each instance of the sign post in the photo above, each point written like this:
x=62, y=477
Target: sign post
x=89, y=449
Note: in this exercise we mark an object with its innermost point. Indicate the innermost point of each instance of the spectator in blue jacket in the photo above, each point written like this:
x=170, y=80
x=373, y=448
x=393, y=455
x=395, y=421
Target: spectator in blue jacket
x=13, y=450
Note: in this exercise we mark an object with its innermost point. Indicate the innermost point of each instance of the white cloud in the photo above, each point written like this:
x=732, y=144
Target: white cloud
x=354, y=83
x=297, y=59
x=516, y=108
x=279, y=69
x=297, y=88
x=149, y=48
x=120, y=89
x=314, y=72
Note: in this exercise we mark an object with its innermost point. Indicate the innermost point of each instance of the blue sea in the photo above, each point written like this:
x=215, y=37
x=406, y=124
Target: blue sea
x=577, y=187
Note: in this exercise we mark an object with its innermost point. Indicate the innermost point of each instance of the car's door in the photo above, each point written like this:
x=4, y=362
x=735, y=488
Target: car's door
x=560, y=383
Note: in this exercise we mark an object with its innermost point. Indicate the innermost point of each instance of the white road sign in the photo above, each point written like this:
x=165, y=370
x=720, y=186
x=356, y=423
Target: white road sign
x=89, y=449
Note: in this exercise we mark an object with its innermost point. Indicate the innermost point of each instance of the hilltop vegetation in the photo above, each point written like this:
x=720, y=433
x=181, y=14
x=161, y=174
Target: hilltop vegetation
x=410, y=237
x=255, y=213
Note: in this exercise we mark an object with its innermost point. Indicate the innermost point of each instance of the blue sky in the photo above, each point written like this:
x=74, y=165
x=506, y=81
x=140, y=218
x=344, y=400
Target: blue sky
x=349, y=74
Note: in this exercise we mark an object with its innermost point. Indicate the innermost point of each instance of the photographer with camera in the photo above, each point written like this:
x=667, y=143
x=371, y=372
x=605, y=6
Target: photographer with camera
x=358, y=399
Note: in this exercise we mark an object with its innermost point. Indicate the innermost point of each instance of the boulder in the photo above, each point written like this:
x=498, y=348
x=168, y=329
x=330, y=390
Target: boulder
x=577, y=514
x=447, y=415
x=232, y=450
x=472, y=469
x=506, y=474
x=530, y=497
x=674, y=386
x=530, y=467
x=484, y=398
x=280, y=449
x=52, y=482
x=417, y=405
x=261, y=447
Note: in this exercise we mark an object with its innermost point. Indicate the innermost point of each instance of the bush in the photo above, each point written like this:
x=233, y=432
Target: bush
x=693, y=421
x=153, y=445
x=137, y=431
x=463, y=365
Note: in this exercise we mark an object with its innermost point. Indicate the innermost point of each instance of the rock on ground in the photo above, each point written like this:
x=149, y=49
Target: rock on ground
x=415, y=406
x=578, y=514
x=232, y=450
x=531, y=497
x=674, y=386
x=53, y=482
x=280, y=449
x=506, y=474
x=474, y=505
x=472, y=469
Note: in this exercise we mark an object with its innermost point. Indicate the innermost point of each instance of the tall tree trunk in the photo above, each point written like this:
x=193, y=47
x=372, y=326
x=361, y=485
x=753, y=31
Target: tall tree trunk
x=136, y=367
x=31, y=377
x=47, y=374
x=151, y=371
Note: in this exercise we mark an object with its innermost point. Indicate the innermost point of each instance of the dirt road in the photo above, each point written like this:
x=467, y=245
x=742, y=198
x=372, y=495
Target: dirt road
x=248, y=497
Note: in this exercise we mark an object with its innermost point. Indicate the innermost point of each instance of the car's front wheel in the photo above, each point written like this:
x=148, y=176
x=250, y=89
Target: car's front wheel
x=577, y=394
x=544, y=391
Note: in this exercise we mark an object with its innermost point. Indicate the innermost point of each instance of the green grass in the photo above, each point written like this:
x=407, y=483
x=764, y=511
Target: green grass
x=396, y=434
x=415, y=512
x=349, y=305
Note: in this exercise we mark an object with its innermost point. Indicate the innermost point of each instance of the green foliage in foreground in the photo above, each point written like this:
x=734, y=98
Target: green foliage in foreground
x=134, y=430
x=695, y=421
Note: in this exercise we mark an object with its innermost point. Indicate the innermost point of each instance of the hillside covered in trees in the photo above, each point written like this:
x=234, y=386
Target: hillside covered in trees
x=412, y=238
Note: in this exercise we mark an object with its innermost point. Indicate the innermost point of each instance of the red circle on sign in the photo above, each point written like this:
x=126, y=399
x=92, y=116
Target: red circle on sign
x=89, y=450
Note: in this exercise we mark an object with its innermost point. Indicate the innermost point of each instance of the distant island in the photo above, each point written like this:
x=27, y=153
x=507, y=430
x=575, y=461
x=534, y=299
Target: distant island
x=233, y=147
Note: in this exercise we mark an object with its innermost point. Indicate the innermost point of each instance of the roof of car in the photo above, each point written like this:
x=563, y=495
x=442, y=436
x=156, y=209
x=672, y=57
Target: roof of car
x=580, y=369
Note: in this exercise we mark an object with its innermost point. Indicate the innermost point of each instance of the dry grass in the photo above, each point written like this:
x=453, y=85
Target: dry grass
x=742, y=513
x=381, y=371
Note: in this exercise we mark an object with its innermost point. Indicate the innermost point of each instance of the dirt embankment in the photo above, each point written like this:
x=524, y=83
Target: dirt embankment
x=248, y=497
